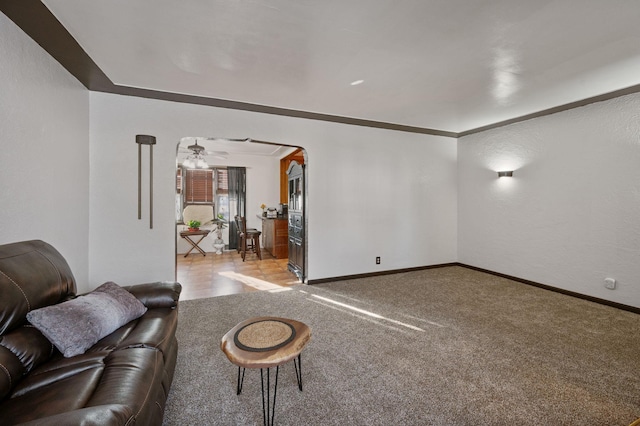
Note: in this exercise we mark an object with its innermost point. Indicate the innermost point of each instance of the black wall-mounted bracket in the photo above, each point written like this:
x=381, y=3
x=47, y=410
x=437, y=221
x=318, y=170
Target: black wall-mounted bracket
x=151, y=141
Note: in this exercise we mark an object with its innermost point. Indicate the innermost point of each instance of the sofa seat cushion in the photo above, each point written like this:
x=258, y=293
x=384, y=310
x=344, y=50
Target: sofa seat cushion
x=103, y=415
x=126, y=378
x=76, y=325
x=155, y=329
x=56, y=370
x=129, y=377
x=45, y=399
x=21, y=350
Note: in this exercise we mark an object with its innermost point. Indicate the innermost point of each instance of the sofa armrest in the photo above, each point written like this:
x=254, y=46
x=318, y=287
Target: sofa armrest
x=164, y=294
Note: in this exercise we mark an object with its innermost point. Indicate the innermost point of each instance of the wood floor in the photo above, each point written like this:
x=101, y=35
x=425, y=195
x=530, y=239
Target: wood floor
x=218, y=275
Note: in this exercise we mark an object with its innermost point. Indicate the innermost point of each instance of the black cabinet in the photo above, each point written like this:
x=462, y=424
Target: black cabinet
x=296, y=219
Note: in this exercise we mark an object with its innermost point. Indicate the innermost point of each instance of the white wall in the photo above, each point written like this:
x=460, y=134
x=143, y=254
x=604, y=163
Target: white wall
x=372, y=192
x=568, y=218
x=570, y=215
x=263, y=186
x=44, y=132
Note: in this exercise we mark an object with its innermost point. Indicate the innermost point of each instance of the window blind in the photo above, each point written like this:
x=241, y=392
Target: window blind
x=222, y=186
x=198, y=186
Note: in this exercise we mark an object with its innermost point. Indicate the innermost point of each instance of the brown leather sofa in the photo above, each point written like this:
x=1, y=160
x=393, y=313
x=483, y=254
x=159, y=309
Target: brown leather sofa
x=123, y=379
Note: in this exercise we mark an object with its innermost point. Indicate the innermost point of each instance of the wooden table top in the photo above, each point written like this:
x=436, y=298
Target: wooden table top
x=198, y=232
x=289, y=337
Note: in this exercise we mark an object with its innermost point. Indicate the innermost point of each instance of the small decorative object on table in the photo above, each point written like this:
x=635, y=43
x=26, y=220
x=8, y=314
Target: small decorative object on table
x=272, y=213
x=263, y=206
x=193, y=225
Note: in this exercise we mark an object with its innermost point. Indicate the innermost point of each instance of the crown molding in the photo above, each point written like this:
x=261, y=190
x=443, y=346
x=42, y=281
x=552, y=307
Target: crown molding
x=37, y=21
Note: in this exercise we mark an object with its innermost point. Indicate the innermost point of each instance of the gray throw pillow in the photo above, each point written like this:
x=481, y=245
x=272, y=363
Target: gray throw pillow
x=76, y=325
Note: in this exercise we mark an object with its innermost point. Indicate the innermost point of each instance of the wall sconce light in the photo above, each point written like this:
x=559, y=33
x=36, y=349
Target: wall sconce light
x=506, y=173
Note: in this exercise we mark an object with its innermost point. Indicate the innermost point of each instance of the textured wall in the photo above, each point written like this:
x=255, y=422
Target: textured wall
x=570, y=215
x=568, y=218
x=372, y=192
x=44, y=170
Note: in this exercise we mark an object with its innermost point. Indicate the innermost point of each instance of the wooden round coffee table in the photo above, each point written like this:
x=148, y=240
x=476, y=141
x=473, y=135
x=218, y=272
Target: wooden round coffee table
x=266, y=342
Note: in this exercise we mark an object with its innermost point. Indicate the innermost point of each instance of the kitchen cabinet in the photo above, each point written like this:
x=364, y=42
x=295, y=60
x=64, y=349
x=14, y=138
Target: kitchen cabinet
x=275, y=233
x=296, y=231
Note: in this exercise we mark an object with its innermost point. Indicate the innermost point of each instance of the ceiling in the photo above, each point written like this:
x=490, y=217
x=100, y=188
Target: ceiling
x=440, y=65
x=215, y=149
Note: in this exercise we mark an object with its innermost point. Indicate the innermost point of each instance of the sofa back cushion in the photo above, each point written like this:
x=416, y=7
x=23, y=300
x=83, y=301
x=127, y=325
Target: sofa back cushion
x=32, y=274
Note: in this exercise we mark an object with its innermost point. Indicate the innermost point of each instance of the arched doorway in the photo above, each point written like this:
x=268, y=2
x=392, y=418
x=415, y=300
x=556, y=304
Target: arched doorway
x=265, y=165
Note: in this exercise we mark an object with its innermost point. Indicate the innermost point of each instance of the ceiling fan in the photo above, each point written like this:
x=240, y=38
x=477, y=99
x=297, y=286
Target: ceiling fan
x=197, y=149
x=235, y=146
x=195, y=158
x=200, y=151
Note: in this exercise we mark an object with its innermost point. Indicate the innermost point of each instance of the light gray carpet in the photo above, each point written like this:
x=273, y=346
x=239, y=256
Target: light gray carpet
x=447, y=346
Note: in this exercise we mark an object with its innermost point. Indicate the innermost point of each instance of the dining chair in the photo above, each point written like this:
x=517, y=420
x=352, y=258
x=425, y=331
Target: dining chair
x=249, y=238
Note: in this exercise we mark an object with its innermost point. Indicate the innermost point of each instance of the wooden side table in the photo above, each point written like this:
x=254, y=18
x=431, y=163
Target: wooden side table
x=194, y=244
x=266, y=342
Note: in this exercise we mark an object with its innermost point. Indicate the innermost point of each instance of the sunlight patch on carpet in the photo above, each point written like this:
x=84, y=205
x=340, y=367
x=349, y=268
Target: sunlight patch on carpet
x=356, y=315
x=371, y=314
x=252, y=282
x=423, y=320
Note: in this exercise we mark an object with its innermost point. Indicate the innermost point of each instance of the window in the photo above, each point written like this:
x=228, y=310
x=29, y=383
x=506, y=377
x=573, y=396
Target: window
x=204, y=187
x=222, y=181
x=222, y=192
x=198, y=186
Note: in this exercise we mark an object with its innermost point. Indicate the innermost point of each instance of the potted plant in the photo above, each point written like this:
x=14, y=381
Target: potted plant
x=220, y=225
x=193, y=225
x=218, y=244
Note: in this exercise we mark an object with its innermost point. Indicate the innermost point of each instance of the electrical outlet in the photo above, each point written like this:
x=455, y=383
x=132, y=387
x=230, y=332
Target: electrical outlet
x=377, y=260
x=610, y=283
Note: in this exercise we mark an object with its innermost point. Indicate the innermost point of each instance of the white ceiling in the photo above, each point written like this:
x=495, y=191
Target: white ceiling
x=450, y=65
x=222, y=149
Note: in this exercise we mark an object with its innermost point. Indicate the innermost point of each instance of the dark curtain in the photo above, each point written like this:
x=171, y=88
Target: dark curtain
x=237, y=201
